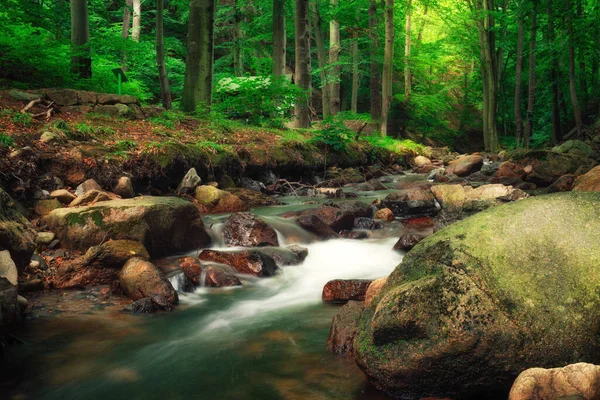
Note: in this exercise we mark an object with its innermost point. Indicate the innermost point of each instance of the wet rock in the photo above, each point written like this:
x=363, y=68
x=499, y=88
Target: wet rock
x=407, y=242
x=140, y=278
x=579, y=381
x=487, y=293
x=62, y=195
x=411, y=202
x=465, y=165
x=336, y=218
x=91, y=197
x=450, y=197
x=43, y=207
x=189, y=183
x=124, y=188
x=341, y=291
x=354, y=235
x=385, y=214
x=247, y=230
x=374, y=289
x=151, y=304
x=22, y=304
x=589, y=182
x=253, y=199
x=367, y=224
x=9, y=310
x=356, y=208
x=164, y=225
x=86, y=186
x=301, y=252
x=251, y=184
x=249, y=262
x=562, y=184
x=213, y=200
x=458, y=197
x=286, y=256
x=16, y=232
x=180, y=281
x=208, y=275
x=419, y=222
x=423, y=165
x=8, y=269
x=316, y=225
x=510, y=170
x=34, y=285
x=371, y=186
x=344, y=328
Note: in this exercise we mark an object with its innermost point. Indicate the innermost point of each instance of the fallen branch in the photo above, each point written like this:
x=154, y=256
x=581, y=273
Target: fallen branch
x=30, y=105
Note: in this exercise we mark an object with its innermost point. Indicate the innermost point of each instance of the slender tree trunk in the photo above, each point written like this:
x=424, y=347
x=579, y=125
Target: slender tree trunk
x=81, y=61
x=279, y=37
x=388, y=63
x=165, y=93
x=303, y=74
x=126, y=19
x=321, y=57
x=531, y=88
x=238, y=62
x=407, y=46
x=518, y=81
x=197, y=88
x=334, y=61
x=137, y=20
x=422, y=27
x=355, y=76
x=375, y=67
x=572, y=81
x=554, y=79
x=583, y=87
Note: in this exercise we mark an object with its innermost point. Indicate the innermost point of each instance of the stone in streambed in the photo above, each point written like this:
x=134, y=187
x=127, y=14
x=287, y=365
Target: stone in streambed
x=9, y=309
x=344, y=328
x=341, y=291
x=140, y=278
x=286, y=256
x=367, y=224
x=589, y=182
x=472, y=306
x=16, y=232
x=465, y=165
x=385, y=214
x=249, y=262
x=374, y=289
x=189, y=183
x=44, y=207
x=247, y=230
x=8, y=269
x=213, y=200
x=316, y=225
x=62, y=195
x=336, y=218
x=214, y=275
x=149, y=305
x=407, y=242
x=411, y=202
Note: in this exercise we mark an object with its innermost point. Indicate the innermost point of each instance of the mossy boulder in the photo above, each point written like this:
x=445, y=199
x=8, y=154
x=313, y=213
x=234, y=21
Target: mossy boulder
x=469, y=308
x=213, y=200
x=164, y=225
x=16, y=232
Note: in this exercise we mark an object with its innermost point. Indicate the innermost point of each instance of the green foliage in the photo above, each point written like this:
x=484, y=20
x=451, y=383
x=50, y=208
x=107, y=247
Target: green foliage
x=125, y=145
x=395, y=145
x=333, y=134
x=168, y=119
x=22, y=119
x=6, y=140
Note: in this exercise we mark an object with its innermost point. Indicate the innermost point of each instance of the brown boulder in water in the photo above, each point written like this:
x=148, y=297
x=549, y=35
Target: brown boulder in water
x=247, y=230
x=214, y=275
x=249, y=262
x=140, y=278
x=341, y=291
x=344, y=327
x=465, y=165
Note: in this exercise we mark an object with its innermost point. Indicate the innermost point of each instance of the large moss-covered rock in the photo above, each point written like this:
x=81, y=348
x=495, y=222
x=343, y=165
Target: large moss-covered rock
x=164, y=225
x=16, y=232
x=472, y=306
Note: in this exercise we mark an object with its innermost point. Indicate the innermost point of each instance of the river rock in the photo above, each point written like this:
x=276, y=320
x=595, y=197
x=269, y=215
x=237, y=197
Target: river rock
x=124, y=188
x=344, y=328
x=367, y=224
x=16, y=232
x=356, y=208
x=371, y=186
x=465, y=165
x=86, y=186
x=563, y=184
x=341, y=291
x=62, y=195
x=44, y=207
x=213, y=200
x=189, y=183
x=507, y=289
x=8, y=269
x=385, y=214
x=316, y=225
x=164, y=225
x=286, y=256
x=579, y=381
x=510, y=170
x=149, y=305
x=247, y=230
x=423, y=165
x=251, y=184
x=411, y=202
x=92, y=196
x=589, y=182
x=213, y=275
x=249, y=262
x=336, y=218
x=576, y=147
x=253, y=199
x=407, y=242
x=374, y=289
x=9, y=309
x=140, y=278
x=450, y=197
x=45, y=238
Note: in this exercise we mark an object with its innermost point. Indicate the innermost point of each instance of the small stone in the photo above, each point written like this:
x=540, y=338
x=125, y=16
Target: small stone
x=86, y=186
x=62, y=195
x=45, y=237
x=23, y=303
x=54, y=244
x=44, y=207
x=52, y=137
x=124, y=188
x=385, y=214
x=34, y=264
x=190, y=181
x=8, y=269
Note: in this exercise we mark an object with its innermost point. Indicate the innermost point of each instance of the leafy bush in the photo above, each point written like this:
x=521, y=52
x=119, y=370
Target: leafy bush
x=22, y=119
x=6, y=140
x=333, y=134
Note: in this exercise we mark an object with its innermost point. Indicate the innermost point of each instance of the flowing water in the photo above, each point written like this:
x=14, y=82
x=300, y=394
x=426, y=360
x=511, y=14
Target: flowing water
x=265, y=340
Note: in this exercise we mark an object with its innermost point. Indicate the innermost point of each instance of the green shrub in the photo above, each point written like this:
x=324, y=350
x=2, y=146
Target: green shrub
x=333, y=134
x=6, y=140
x=23, y=119
x=125, y=145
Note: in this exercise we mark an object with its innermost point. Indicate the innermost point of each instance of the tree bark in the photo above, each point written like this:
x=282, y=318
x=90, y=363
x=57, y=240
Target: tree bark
x=279, y=37
x=407, y=48
x=81, y=62
x=322, y=58
x=572, y=81
x=355, y=76
x=165, y=92
x=388, y=63
x=518, y=81
x=197, y=88
x=126, y=19
x=137, y=21
x=334, y=63
x=238, y=61
x=531, y=88
x=375, y=67
x=554, y=79
x=303, y=74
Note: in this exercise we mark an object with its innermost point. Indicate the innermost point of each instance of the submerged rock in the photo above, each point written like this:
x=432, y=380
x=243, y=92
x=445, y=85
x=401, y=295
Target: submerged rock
x=247, y=230
x=341, y=291
x=140, y=278
x=472, y=306
x=164, y=225
x=344, y=328
x=249, y=262
x=16, y=232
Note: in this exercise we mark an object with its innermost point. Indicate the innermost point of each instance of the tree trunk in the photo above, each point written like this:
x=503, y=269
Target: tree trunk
x=197, y=88
x=531, y=88
x=137, y=20
x=81, y=62
x=165, y=93
x=388, y=64
x=334, y=62
x=279, y=37
x=554, y=79
x=518, y=82
x=572, y=81
x=238, y=61
x=126, y=19
x=583, y=87
x=303, y=74
x=355, y=76
x=407, y=45
x=322, y=58
x=375, y=67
